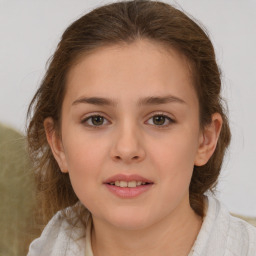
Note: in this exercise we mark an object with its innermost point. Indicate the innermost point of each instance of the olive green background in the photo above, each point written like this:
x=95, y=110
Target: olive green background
x=17, y=224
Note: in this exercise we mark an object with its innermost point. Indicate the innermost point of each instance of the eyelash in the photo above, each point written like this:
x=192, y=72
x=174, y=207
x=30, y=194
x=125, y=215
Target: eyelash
x=170, y=120
x=91, y=125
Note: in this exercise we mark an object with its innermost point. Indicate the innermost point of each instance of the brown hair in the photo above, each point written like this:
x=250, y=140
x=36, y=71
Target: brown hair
x=125, y=22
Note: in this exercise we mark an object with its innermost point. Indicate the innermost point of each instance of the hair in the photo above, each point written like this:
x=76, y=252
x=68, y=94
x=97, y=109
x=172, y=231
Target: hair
x=123, y=23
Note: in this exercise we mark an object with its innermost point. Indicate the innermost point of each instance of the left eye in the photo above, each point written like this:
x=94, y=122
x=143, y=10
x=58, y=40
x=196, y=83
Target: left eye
x=160, y=120
x=95, y=120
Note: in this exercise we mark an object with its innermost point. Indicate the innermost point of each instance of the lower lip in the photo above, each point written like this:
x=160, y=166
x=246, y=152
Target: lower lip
x=128, y=192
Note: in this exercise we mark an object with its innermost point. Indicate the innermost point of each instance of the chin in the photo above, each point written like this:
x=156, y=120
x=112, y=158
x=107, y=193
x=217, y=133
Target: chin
x=131, y=224
x=129, y=221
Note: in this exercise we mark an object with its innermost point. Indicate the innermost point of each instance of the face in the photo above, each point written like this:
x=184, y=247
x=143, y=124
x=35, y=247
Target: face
x=130, y=116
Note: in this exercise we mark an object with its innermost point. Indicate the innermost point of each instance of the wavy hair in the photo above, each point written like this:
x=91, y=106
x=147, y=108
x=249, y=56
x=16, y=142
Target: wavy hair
x=117, y=23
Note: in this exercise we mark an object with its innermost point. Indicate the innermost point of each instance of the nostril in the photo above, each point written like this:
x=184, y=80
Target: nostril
x=134, y=157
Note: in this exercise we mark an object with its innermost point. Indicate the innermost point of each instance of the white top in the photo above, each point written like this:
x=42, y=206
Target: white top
x=221, y=235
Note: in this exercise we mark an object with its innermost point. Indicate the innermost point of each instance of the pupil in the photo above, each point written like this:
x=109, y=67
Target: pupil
x=158, y=120
x=97, y=120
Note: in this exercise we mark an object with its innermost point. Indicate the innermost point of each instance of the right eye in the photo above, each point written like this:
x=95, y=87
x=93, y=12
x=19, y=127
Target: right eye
x=95, y=121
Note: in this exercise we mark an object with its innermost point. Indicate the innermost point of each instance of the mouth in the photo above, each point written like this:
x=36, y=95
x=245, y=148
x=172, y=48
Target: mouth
x=125, y=180
x=128, y=186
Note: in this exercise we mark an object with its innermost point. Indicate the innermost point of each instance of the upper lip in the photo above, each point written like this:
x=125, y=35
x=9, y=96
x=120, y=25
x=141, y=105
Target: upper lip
x=127, y=178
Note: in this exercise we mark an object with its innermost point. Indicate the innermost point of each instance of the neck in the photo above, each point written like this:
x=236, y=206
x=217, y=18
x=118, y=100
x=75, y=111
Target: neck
x=173, y=235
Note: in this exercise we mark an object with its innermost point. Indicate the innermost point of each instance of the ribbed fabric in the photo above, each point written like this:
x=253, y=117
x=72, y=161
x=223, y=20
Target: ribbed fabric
x=221, y=235
x=224, y=235
x=60, y=238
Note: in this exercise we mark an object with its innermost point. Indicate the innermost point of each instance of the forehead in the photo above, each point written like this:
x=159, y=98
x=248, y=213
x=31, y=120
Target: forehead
x=142, y=67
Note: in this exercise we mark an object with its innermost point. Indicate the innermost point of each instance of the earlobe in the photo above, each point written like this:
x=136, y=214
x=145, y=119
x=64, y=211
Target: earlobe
x=55, y=144
x=208, y=140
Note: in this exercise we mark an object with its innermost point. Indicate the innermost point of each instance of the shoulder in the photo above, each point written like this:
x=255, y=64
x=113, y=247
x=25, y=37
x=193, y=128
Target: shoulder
x=241, y=237
x=223, y=234
x=57, y=238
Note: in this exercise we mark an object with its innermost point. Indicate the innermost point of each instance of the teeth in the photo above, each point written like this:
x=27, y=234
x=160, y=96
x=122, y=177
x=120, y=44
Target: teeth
x=125, y=184
x=132, y=184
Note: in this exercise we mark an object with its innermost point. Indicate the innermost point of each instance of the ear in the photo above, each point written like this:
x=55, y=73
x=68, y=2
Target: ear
x=55, y=144
x=208, y=140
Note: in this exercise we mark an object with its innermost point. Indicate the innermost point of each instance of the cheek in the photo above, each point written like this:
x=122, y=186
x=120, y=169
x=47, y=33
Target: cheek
x=84, y=152
x=85, y=160
x=175, y=160
x=177, y=151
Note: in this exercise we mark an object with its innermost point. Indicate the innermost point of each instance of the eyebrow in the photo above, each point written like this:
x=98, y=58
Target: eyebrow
x=95, y=101
x=152, y=100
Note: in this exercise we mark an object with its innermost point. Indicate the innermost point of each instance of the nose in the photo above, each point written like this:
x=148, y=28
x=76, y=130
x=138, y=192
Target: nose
x=127, y=145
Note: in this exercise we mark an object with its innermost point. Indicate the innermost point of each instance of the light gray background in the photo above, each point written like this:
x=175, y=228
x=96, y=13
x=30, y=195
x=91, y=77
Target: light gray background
x=30, y=31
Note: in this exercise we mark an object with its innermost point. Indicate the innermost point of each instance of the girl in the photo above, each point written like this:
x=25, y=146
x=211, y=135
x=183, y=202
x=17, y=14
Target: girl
x=127, y=135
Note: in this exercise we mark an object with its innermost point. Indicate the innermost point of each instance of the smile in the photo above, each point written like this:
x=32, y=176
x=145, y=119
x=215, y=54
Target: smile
x=129, y=184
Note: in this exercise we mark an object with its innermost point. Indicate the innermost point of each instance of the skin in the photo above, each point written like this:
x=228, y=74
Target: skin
x=129, y=141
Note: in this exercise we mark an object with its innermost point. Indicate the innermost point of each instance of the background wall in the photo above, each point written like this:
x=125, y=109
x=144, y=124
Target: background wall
x=30, y=31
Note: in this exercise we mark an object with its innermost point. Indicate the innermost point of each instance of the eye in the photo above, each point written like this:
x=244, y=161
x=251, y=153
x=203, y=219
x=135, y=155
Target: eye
x=161, y=120
x=95, y=121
